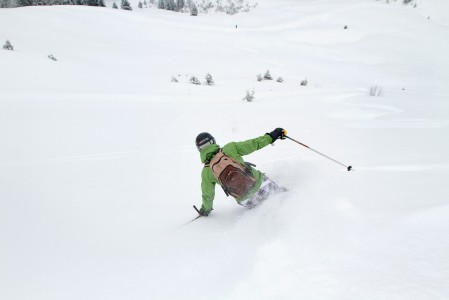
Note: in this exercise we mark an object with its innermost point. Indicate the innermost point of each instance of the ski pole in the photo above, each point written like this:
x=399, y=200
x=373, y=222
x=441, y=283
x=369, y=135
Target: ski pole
x=349, y=168
x=199, y=216
x=193, y=220
x=197, y=210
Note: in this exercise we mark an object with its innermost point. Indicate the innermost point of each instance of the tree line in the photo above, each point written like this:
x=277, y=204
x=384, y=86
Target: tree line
x=19, y=3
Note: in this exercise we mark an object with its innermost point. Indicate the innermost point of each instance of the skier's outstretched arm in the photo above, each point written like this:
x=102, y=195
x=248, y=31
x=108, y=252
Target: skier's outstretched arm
x=249, y=146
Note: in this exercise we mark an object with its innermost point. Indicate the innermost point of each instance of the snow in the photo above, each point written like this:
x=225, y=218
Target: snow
x=99, y=172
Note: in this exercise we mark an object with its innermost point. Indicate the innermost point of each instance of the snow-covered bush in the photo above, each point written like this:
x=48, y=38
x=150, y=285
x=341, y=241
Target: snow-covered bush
x=267, y=75
x=304, y=82
x=50, y=56
x=280, y=79
x=249, y=96
x=140, y=5
x=194, y=80
x=209, y=80
x=114, y=6
x=174, y=79
x=375, y=91
x=259, y=77
x=8, y=45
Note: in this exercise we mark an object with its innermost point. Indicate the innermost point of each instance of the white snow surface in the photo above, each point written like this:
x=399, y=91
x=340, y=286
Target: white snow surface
x=98, y=168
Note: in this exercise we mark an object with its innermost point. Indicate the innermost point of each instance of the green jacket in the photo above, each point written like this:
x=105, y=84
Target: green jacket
x=235, y=150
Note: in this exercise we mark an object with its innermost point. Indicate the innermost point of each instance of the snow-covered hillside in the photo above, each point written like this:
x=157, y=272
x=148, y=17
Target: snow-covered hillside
x=98, y=167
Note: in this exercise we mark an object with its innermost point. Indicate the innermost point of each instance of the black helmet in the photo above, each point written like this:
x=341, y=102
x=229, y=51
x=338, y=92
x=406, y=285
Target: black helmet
x=204, y=139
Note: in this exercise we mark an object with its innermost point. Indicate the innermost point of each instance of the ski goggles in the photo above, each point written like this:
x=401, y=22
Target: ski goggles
x=207, y=143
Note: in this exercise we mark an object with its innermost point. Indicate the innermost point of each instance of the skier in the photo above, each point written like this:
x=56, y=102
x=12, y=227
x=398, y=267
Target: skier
x=226, y=167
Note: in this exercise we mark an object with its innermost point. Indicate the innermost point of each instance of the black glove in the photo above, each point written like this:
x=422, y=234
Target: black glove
x=277, y=133
x=204, y=212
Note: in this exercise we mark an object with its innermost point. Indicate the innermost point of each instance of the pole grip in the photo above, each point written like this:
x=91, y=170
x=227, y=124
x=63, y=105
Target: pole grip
x=197, y=210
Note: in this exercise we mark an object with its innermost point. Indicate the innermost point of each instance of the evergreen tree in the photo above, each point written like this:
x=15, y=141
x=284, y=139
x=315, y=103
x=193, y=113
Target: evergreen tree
x=194, y=80
x=161, y=4
x=267, y=75
x=169, y=4
x=125, y=5
x=24, y=2
x=5, y=3
x=114, y=6
x=101, y=3
x=140, y=5
x=180, y=4
x=8, y=45
x=209, y=80
x=249, y=96
x=193, y=10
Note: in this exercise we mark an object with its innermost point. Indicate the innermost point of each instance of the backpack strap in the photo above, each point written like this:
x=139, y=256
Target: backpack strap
x=207, y=162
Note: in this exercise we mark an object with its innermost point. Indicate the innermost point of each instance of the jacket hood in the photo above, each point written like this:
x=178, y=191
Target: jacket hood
x=207, y=153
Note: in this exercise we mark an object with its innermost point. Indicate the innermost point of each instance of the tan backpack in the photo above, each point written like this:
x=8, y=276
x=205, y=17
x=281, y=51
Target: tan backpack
x=235, y=179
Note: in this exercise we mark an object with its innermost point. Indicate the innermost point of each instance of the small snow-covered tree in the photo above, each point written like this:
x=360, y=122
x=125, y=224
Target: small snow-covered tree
x=8, y=45
x=375, y=91
x=140, y=5
x=205, y=5
x=170, y=5
x=173, y=79
x=193, y=10
x=304, y=82
x=126, y=5
x=161, y=4
x=180, y=4
x=280, y=79
x=194, y=80
x=209, y=80
x=5, y=3
x=50, y=56
x=249, y=96
x=267, y=75
x=20, y=3
x=259, y=77
x=114, y=6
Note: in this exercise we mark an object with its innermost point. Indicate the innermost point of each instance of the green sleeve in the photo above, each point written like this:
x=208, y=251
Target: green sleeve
x=208, y=182
x=247, y=147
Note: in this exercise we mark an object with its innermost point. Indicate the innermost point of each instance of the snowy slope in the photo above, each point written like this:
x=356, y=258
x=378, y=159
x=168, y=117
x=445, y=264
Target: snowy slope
x=98, y=169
